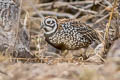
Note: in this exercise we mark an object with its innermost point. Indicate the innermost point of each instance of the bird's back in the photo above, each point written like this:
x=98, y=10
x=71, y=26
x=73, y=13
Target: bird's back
x=72, y=34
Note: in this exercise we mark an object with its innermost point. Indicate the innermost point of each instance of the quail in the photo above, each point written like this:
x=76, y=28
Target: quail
x=68, y=34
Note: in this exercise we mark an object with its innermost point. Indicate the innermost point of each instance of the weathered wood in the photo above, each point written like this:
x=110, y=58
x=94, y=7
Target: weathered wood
x=13, y=38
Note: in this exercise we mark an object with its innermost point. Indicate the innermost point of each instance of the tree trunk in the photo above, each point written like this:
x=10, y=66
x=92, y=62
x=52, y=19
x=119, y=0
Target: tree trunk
x=13, y=38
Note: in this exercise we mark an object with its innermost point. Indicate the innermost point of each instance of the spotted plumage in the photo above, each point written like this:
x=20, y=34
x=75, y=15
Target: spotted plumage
x=68, y=34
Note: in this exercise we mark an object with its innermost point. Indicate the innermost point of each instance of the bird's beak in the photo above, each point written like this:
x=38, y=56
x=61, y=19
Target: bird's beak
x=41, y=26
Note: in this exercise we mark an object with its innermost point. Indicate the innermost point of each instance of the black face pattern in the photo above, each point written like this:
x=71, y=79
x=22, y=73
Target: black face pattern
x=50, y=23
x=68, y=34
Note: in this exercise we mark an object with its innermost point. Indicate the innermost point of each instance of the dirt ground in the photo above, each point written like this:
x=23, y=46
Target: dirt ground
x=59, y=71
x=48, y=63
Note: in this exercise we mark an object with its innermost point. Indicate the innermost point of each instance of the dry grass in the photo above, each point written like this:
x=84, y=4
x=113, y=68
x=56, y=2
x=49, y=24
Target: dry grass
x=48, y=64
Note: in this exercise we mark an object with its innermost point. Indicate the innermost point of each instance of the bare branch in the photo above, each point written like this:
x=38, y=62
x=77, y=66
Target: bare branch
x=55, y=13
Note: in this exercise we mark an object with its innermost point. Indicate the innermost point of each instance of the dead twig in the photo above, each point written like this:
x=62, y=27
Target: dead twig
x=3, y=73
x=67, y=3
x=101, y=19
x=82, y=10
x=35, y=9
x=71, y=5
x=106, y=37
x=55, y=13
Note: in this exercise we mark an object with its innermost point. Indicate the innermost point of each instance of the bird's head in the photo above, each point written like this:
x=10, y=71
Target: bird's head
x=49, y=24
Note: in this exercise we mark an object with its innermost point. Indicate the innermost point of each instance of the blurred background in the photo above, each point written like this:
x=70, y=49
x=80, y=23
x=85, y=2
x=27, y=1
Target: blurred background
x=48, y=64
x=93, y=12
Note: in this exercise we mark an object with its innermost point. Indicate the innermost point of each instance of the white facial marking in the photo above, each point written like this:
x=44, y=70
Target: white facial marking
x=50, y=24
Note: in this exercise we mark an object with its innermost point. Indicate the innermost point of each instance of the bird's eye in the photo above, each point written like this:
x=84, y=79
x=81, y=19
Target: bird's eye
x=48, y=22
x=53, y=21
